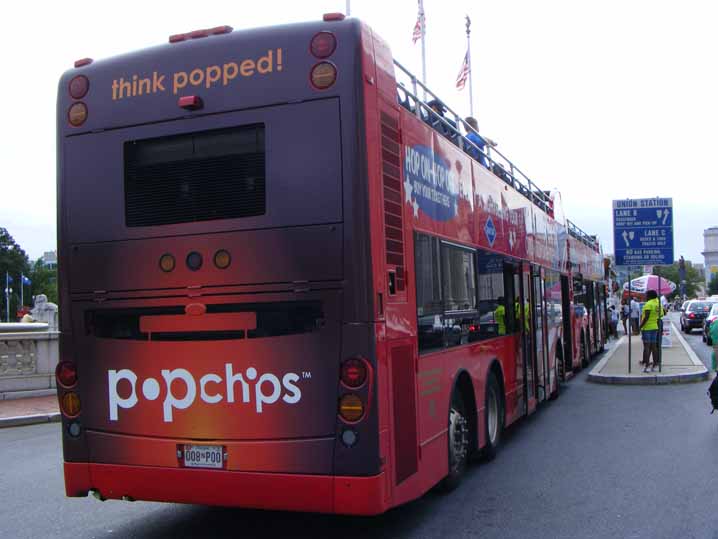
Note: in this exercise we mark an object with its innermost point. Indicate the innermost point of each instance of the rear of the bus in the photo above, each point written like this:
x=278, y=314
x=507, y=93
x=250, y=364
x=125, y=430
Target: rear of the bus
x=217, y=342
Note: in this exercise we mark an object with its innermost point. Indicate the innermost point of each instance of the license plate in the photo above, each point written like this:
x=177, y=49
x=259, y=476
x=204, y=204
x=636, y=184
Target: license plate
x=203, y=456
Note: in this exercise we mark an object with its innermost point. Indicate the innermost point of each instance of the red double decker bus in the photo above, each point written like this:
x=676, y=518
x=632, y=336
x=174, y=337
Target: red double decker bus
x=284, y=286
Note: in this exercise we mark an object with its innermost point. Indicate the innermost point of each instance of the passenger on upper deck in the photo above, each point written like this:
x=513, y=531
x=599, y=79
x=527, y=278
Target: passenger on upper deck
x=472, y=128
x=436, y=117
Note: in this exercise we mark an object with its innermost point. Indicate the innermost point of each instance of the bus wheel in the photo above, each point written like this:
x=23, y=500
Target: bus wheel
x=494, y=417
x=459, y=441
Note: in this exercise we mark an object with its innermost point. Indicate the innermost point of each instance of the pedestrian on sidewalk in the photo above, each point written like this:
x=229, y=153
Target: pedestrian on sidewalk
x=635, y=315
x=652, y=313
x=625, y=311
x=613, y=322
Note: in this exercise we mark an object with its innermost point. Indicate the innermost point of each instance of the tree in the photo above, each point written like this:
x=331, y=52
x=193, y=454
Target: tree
x=713, y=285
x=13, y=262
x=44, y=281
x=693, y=279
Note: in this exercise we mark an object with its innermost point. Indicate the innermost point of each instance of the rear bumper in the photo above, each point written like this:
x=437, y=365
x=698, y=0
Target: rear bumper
x=291, y=492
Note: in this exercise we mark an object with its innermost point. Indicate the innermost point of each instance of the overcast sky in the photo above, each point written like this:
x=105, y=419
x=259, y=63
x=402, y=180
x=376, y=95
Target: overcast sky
x=601, y=100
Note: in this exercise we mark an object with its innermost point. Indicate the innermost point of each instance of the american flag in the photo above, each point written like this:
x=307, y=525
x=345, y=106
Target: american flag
x=463, y=73
x=417, y=30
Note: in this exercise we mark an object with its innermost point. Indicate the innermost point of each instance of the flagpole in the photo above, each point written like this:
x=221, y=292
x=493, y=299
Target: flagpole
x=468, y=54
x=22, y=290
x=7, y=296
x=349, y=8
x=423, y=44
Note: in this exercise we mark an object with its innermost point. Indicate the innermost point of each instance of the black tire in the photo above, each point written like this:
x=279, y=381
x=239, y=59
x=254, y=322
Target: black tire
x=459, y=440
x=709, y=341
x=584, y=353
x=494, y=417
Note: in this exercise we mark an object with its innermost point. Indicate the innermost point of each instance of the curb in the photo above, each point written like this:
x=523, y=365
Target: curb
x=655, y=379
x=21, y=420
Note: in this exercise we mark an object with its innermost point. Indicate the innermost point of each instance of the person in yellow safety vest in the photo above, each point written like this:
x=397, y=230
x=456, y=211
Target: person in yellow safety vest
x=527, y=313
x=500, y=316
x=650, y=326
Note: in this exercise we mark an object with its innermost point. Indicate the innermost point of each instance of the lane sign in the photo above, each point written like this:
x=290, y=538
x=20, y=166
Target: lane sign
x=643, y=231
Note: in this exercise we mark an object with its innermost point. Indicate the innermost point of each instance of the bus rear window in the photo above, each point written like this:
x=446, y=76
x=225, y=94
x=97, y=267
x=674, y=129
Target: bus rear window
x=203, y=176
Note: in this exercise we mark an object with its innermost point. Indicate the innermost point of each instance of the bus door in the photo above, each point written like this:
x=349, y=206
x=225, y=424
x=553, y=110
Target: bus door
x=528, y=350
x=538, y=318
x=566, y=317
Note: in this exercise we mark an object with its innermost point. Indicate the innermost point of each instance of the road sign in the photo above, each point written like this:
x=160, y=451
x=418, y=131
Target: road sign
x=643, y=231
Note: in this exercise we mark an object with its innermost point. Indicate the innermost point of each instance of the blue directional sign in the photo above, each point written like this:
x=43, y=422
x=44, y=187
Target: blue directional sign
x=643, y=231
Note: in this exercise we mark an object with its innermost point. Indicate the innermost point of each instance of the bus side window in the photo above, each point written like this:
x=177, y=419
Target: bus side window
x=493, y=308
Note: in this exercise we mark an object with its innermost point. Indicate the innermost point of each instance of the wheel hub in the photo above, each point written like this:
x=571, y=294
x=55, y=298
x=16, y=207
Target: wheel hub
x=458, y=438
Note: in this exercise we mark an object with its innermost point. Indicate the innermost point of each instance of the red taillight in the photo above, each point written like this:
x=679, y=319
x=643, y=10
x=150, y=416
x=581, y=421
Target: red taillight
x=83, y=62
x=323, y=44
x=334, y=17
x=190, y=102
x=324, y=74
x=79, y=86
x=197, y=34
x=354, y=372
x=691, y=315
x=66, y=374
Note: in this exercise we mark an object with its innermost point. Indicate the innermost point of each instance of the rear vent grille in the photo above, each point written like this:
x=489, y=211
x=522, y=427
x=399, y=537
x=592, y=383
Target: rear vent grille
x=393, y=207
x=218, y=174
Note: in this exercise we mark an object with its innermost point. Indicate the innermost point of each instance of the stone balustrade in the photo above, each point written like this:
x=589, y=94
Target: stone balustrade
x=28, y=356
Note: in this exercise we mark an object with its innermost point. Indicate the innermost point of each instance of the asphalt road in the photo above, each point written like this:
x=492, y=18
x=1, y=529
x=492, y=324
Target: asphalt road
x=601, y=461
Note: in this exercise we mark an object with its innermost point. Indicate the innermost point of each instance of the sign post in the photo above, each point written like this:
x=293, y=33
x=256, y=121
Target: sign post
x=643, y=235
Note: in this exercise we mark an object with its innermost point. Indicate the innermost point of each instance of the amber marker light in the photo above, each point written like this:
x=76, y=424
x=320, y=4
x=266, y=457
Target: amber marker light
x=70, y=404
x=351, y=408
x=167, y=262
x=222, y=259
x=77, y=114
x=324, y=75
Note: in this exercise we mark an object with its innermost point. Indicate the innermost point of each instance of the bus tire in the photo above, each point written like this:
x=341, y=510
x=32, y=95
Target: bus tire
x=493, y=416
x=459, y=440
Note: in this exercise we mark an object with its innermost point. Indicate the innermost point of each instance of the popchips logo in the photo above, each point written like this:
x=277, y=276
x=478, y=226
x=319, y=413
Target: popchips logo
x=266, y=389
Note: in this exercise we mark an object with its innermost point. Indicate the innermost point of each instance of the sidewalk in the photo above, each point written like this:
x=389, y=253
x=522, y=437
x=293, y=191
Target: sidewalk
x=29, y=411
x=680, y=364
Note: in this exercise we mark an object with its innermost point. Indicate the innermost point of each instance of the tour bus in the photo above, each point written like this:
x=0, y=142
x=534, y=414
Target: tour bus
x=283, y=288
x=590, y=330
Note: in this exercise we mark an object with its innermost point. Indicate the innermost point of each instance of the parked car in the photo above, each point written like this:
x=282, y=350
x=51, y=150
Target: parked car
x=712, y=316
x=694, y=315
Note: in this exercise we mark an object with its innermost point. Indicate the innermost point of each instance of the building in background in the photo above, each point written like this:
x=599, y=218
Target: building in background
x=49, y=259
x=710, y=252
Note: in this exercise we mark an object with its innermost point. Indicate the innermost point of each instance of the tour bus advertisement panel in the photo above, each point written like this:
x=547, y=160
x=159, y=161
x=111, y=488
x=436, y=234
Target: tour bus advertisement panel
x=230, y=71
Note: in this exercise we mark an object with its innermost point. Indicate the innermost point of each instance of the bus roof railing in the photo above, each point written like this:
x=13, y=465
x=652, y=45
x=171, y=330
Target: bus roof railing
x=501, y=165
x=576, y=232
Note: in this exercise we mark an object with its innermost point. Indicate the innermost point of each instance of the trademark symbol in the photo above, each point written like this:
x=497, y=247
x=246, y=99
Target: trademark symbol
x=306, y=375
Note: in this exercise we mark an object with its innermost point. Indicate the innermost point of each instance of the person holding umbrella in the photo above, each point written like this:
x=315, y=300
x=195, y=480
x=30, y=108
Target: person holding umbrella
x=652, y=313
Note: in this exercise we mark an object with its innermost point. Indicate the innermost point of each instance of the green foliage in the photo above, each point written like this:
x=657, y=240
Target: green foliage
x=693, y=278
x=713, y=285
x=15, y=262
x=44, y=281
